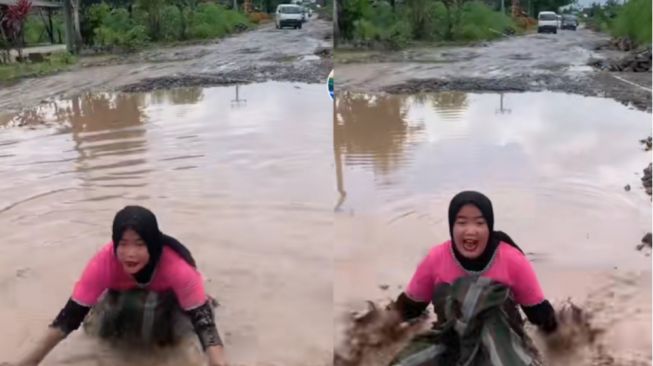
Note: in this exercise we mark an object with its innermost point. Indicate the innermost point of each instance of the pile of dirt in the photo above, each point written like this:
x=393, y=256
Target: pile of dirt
x=620, y=44
x=646, y=179
x=635, y=61
x=647, y=143
x=647, y=242
x=375, y=336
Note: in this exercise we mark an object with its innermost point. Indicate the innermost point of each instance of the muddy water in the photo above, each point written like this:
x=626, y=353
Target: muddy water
x=239, y=175
x=555, y=166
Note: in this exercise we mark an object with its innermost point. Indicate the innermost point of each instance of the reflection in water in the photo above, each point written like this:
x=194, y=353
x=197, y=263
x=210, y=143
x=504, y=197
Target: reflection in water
x=238, y=101
x=449, y=105
x=372, y=129
x=189, y=95
x=544, y=147
x=502, y=108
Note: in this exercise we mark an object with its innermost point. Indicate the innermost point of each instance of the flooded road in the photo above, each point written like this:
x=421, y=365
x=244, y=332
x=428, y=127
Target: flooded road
x=533, y=62
x=554, y=166
x=255, y=56
x=289, y=212
x=218, y=169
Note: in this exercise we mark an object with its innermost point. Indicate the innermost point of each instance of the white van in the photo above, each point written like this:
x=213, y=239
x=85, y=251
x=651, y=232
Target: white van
x=289, y=15
x=547, y=21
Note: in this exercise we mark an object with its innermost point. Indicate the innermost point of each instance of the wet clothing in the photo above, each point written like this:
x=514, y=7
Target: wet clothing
x=171, y=270
x=475, y=327
x=502, y=261
x=104, y=271
x=507, y=266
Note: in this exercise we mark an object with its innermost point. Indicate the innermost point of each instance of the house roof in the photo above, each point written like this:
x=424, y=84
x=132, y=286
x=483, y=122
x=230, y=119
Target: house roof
x=35, y=3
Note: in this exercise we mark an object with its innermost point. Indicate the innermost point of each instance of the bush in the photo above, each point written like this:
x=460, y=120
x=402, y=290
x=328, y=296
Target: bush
x=479, y=22
x=633, y=20
x=211, y=21
x=119, y=31
x=34, y=31
x=171, y=23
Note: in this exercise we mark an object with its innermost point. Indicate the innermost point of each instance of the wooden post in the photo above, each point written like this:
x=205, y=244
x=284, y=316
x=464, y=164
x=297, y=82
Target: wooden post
x=68, y=26
x=50, y=26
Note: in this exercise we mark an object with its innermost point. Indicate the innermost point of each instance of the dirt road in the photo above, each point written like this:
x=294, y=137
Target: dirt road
x=557, y=62
x=263, y=54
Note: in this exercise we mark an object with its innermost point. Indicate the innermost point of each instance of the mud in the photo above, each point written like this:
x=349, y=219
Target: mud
x=374, y=337
x=639, y=61
x=259, y=55
x=533, y=62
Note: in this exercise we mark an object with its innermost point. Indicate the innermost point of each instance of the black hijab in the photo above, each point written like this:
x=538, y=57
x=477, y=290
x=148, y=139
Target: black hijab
x=143, y=222
x=485, y=206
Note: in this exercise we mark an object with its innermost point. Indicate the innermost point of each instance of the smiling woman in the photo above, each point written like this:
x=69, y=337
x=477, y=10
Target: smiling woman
x=141, y=285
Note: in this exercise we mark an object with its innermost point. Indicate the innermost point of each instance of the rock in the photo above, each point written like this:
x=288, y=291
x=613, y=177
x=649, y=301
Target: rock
x=647, y=239
x=647, y=143
x=384, y=287
x=627, y=187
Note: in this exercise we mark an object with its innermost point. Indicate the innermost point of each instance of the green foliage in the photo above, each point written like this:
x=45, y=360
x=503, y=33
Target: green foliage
x=54, y=63
x=378, y=24
x=171, y=23
x=119, y=31
x=633, y=20
x=211, y=21
x=479, y=22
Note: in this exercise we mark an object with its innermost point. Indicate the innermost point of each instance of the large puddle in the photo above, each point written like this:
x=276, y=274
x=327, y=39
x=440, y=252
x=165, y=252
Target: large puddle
x=266, y=188
x=241, y=175
x=555, y=166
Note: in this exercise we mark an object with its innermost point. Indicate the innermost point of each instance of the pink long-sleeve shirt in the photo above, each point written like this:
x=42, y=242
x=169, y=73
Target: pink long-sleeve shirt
x=104, y=272
x=508, y=266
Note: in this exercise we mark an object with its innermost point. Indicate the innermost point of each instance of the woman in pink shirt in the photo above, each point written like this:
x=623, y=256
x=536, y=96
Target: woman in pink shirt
x=475, y=249
x=139, y=263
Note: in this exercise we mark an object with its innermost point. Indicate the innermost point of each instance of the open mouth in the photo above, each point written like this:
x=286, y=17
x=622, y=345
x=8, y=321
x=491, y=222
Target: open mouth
x=470, y=244
x=131, y=264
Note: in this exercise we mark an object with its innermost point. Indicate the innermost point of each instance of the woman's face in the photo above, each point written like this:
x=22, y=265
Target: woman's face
x=470, y=232
x=132, y=252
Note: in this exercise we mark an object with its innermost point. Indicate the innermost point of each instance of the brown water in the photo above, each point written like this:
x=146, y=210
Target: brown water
x=288, y=212
x=234, y=176
x=554, y=165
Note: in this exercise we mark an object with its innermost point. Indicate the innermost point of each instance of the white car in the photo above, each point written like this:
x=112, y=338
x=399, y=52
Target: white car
x=547, y=21
x=289, y=15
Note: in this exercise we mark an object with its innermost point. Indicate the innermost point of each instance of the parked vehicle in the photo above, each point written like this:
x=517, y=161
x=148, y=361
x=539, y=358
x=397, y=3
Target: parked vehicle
x=547, y=22
x=569, y=22
x=289, y=15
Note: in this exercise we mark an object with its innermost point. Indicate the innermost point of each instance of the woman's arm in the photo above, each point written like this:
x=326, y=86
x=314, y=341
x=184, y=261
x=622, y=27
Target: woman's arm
x=68, y=320
x=203, y=321
x=409, y=308
x=543, y=315
x=51, y=338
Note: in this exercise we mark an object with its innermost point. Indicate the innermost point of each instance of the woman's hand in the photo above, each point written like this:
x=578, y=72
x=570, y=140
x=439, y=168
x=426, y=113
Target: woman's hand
x=216, y=356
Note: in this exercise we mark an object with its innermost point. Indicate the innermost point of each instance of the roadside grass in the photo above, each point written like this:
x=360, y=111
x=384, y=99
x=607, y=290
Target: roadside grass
x=55, y=63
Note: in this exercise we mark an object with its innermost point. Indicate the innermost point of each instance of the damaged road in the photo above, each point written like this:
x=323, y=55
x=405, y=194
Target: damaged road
x=535, y=62
x=259, y=55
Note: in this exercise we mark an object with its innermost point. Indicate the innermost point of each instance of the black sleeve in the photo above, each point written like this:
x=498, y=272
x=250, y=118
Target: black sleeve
x=409, y=309
x=203, y=321
x=70, y=317
x=542, y=315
